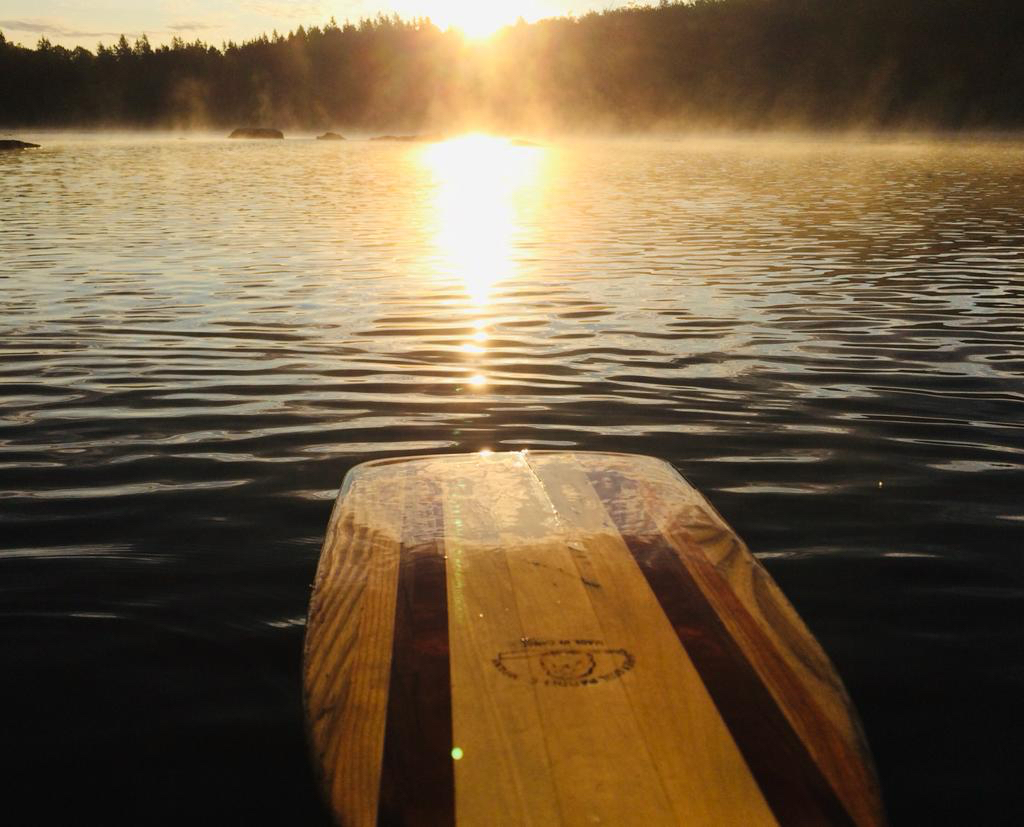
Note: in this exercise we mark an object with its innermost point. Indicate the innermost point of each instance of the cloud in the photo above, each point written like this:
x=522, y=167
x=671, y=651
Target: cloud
x=40, y=27
x=309, y=10
x=190, y=26
x=62, y=32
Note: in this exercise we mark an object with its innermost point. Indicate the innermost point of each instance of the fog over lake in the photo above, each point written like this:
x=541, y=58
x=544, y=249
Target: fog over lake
x=199, y=337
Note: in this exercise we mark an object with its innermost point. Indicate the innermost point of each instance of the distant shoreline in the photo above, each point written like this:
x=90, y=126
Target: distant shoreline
x=878, y=137
x=912, y=66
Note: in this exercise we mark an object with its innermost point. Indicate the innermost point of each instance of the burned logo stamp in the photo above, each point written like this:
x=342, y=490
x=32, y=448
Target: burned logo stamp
x=561, y=662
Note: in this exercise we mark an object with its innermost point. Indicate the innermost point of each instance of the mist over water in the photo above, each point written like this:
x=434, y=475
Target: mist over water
x=200, y=337
x=677, y=65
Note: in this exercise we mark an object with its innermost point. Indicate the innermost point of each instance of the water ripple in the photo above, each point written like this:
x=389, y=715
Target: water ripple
x=198, y=340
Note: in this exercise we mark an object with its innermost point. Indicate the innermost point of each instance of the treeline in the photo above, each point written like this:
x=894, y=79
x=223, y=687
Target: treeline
x=738, y=63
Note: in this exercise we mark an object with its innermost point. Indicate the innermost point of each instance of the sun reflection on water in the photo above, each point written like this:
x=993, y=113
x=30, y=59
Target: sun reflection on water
x=478, y=208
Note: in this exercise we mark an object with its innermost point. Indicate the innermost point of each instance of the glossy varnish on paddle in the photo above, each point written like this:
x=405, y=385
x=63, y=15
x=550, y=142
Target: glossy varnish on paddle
x=565, y=638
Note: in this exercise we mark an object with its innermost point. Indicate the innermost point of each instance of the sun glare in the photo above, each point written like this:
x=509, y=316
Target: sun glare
x=478, y=178
x=481, y=184
x=477, y=19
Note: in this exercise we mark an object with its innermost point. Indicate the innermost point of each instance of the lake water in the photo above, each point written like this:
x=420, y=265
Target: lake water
x=199, y=338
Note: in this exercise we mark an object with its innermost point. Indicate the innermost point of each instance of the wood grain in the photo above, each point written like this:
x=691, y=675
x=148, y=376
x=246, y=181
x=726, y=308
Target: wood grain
x=348, y=644
x=565, y=638
x=417, y=778
x=786, y=656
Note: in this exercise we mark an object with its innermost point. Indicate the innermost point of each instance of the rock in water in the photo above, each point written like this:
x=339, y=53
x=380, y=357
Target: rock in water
x=256, y=132
x=7, y=144
x=330, y=136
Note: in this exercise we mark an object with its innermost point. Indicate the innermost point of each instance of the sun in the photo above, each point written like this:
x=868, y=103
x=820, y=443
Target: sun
x=477, y=19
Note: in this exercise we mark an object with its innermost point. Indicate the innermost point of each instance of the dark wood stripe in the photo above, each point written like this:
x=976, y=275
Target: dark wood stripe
x=417, y=778
x=790, y=779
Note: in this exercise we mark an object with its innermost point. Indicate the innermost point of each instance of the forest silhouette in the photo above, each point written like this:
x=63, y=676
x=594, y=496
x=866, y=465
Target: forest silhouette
x=833, y=64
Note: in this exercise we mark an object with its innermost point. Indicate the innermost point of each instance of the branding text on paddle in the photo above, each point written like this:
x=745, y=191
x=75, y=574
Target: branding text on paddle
x=561, y=662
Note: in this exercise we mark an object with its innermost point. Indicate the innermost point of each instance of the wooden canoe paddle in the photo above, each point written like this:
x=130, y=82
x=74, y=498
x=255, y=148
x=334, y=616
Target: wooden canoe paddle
x=544, y=638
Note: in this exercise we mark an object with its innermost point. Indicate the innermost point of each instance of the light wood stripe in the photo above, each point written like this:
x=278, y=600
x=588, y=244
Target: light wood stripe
x=348, y=644
x=497, y=722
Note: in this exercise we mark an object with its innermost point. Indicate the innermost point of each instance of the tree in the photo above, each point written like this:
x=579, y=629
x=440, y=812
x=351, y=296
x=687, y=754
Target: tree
x=948, y=63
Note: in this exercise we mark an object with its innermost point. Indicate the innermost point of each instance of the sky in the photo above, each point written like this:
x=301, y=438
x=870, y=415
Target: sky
x=73, y=23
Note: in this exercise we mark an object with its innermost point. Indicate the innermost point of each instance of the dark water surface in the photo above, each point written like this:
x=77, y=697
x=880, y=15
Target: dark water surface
x=200, y=337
